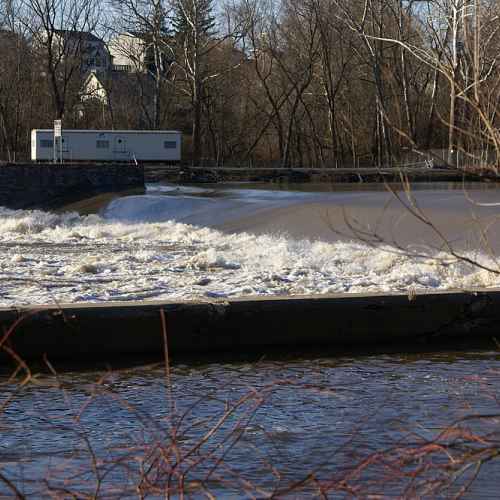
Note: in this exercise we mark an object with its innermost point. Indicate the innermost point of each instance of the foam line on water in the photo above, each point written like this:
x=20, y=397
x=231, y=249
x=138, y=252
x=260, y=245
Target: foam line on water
x=67, y=257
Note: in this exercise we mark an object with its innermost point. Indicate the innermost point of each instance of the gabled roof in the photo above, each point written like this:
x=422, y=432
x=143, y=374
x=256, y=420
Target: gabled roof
x=80, y=35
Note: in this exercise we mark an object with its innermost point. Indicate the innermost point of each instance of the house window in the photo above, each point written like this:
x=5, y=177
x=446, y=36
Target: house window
x=170, y=144
x=46, y=143
x=102, y=144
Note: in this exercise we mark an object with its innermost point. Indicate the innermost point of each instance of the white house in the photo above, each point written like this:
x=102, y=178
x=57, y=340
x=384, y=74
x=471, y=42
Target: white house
x=132, y=51
x=83, y=45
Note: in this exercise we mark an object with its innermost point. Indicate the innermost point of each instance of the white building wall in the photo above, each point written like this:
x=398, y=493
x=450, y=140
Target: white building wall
x=93, y=89
x=109, y=145
x=127, y=50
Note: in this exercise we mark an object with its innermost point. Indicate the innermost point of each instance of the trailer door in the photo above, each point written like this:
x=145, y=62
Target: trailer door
x=120, y=146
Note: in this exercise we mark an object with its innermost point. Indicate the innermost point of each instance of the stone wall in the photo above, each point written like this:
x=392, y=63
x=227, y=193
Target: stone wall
x=33, y=185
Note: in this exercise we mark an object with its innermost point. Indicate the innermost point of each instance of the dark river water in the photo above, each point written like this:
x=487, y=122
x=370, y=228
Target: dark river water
x=273, y=423
x=302, y=425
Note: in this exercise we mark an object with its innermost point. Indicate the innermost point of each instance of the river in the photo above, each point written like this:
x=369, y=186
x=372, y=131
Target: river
x=296, y=424
x=305, y=414
x=184, y=242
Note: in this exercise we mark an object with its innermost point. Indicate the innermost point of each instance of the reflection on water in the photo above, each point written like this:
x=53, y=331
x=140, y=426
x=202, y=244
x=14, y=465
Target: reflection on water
x=302, y=415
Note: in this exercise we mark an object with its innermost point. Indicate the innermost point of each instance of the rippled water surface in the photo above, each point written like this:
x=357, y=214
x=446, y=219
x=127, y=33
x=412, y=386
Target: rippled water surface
x=302, y=415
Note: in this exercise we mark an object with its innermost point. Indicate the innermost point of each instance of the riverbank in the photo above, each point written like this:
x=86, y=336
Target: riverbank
x=170, y=173
x=87, y=332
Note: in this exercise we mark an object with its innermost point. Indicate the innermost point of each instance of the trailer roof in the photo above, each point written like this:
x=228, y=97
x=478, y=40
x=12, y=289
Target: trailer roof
x=93, y=131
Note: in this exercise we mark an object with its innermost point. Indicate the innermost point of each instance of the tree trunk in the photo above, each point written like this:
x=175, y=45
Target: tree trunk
x=196, y=123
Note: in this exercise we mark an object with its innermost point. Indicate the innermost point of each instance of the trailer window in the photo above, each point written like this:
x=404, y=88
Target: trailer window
x=102, y=144
x=46, y=143
x=170, y=144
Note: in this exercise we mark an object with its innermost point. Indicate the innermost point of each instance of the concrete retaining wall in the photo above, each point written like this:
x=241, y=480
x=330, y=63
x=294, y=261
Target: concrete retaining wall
x=41, y=185
x=89, y=331
x=156, y=173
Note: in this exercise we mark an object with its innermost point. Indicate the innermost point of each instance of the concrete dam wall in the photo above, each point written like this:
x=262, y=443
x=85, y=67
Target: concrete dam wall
x=91, y=331
x=31, y=185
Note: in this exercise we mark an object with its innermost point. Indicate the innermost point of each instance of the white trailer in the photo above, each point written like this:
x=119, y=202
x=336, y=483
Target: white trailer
x=108, y=145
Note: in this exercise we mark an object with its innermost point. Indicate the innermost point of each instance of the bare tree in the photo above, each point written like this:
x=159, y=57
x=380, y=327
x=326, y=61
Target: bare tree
x=144, y=39
x=197, y=38
x=335, y=53
x=7, y=16
x=18, y=84
x=60, y=30
x=444, y=44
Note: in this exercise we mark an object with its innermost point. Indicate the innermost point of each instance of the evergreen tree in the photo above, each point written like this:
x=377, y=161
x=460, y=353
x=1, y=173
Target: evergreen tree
x=193, y=18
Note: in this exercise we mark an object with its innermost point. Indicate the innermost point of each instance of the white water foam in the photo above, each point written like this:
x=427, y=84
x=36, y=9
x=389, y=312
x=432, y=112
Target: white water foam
x=48, y=257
